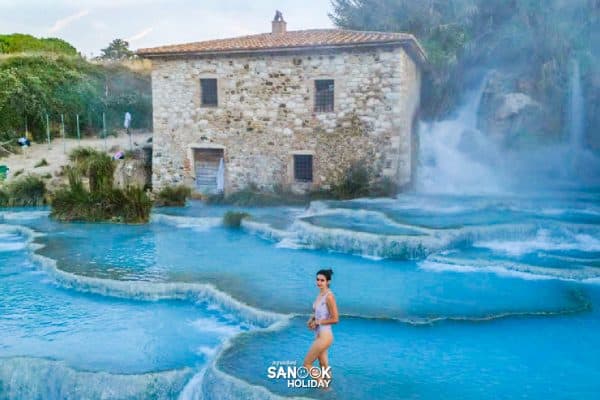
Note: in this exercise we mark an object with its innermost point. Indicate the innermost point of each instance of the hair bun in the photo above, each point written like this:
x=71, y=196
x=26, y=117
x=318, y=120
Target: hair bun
x=326, y=272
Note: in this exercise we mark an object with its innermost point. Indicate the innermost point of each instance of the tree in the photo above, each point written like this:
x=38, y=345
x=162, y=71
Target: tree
x=532, y=39
x=118, y=49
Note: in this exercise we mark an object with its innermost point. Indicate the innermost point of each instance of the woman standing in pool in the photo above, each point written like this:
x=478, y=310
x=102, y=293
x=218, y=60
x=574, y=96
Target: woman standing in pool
x=325, y=315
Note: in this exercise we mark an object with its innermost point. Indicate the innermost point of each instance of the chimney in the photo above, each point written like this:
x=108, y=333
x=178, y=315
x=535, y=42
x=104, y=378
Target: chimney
x=278, y=24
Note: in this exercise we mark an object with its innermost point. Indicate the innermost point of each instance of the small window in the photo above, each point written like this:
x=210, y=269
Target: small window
x=324, y=95
x=208, y=89
x=303, y=167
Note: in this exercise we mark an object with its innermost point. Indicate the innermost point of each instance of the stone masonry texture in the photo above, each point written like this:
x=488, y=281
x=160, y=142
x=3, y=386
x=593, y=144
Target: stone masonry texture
x=265, y=115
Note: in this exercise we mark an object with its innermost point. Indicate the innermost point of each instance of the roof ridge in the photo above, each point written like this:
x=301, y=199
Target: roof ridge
x=290, y=40
x=270, y=34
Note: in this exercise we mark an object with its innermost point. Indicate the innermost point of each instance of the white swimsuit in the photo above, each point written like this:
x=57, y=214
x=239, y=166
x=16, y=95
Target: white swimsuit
x=322, y=312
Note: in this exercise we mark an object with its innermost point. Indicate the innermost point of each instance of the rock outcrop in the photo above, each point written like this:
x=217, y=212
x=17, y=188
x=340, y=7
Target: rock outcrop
x=509, y=114
x=132, y=172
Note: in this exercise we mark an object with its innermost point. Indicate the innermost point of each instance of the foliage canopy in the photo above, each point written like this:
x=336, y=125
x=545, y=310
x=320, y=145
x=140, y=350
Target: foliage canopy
x=118, y=49
x=533, y=38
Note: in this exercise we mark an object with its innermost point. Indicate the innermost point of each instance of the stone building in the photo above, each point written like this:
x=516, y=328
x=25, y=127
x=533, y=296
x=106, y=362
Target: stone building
x=288, y=109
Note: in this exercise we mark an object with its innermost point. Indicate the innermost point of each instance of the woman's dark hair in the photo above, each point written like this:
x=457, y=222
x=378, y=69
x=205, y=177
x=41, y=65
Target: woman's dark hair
x=327, y=273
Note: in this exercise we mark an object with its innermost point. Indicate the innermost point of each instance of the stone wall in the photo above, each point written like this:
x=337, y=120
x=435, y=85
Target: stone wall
x=265, y=115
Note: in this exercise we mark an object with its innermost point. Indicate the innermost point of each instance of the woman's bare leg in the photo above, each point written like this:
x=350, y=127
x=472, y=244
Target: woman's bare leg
x=319, y=346
x=321, y=343
x=323, y=359
x=324, y=362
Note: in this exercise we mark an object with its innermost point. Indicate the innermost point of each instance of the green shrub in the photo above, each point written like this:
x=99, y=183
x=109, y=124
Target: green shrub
x=41, y=163
x=26, y=191
x=19, y=42
x=385, y=187
x=355, y=183
x=3, y=198
x=18, y=172
x=172, y=196
x=233, y=219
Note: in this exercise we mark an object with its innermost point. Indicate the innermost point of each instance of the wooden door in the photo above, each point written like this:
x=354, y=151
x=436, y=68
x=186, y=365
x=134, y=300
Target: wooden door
x=206, y=167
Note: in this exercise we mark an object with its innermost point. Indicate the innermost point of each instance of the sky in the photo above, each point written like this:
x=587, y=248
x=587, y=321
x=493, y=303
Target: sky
x=91, y=25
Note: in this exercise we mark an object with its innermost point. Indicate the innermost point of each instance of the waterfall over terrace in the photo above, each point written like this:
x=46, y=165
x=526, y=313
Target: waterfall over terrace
x=455, y=157
x=576, y=111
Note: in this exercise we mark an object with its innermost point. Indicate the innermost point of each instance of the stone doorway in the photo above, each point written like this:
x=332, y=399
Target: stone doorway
x=209, y=170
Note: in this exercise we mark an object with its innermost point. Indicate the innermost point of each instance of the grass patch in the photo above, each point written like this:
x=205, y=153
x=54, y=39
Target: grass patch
x=75, y=203
x=96, y=165
x=233, y=219
x=172, y=196
x=131, y=205
x=29, y=190
x=80, y=154
x=248, y=197
x=253, y=196
x=41, y=163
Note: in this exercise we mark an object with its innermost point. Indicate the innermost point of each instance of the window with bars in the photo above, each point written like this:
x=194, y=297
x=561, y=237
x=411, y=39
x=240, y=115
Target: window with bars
x=324, y=95
x=303, y=167
x=208, y=92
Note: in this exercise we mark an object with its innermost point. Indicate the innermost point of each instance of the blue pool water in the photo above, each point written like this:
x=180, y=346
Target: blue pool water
x=451, y=297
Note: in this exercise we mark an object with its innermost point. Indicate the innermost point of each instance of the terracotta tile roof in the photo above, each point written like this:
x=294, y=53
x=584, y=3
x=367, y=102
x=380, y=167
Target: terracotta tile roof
x=291, y=40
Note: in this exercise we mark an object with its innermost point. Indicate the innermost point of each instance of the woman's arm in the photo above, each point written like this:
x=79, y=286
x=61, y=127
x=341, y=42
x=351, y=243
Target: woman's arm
x=333, y=312
x=311, y=323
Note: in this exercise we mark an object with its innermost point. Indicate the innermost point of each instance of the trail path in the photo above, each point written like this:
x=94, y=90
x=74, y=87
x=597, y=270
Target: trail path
x=56, y=156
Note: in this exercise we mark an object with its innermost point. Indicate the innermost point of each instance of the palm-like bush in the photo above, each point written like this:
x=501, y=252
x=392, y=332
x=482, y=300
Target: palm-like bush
x=102, y=202
x=29, y=190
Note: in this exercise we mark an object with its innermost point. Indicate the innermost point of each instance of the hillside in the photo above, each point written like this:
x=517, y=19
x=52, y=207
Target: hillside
x=46, y=77
x=22, y=43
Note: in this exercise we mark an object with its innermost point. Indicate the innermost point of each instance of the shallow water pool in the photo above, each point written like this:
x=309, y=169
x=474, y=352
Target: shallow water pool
x=441, y=297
